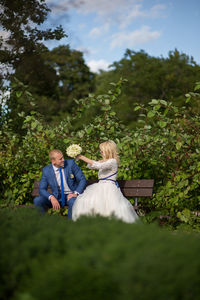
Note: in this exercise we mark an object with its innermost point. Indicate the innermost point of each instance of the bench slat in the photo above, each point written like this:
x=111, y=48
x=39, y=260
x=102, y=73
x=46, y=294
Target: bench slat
x=129, y=188
x=135, y=192
x=136, y=183
x=35, y=191
x=133, y=183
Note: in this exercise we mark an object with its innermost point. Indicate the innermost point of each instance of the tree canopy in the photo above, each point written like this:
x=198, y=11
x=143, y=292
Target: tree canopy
x=57, y=78
x=54, y=77
x=22, y=37
x=150, y=78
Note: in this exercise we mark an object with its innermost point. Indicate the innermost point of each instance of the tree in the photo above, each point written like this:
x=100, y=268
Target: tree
x=54, y=80
x=22, y=50
x=21, y=36
x=74, y=77
x=150, y=78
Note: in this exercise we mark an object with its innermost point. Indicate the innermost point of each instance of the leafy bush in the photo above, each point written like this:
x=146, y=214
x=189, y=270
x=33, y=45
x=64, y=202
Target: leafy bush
x=23, y=155
x=167, y=146
x=164, y=147
x=49, y=257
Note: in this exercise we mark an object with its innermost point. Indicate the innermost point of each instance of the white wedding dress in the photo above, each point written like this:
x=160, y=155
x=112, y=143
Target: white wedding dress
x=104, y=198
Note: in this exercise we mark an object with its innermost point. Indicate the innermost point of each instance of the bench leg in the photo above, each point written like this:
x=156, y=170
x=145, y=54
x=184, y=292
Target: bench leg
x=136, y=202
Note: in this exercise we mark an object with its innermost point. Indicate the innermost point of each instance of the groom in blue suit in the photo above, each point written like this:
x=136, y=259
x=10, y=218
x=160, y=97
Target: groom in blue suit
x=73, y=183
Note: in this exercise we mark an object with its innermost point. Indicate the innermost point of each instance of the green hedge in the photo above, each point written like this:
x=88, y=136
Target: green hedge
x=50, y=257
x=165, y=146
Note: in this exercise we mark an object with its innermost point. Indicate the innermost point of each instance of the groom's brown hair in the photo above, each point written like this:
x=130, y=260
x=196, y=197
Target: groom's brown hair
x=53, y=152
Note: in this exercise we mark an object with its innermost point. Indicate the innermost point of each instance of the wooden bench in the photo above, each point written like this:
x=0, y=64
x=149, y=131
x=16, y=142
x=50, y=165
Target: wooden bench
x=136, y=188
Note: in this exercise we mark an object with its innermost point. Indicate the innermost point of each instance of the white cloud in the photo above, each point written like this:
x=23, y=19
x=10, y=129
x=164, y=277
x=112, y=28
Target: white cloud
x=137, y=12
x=60, y=6
x=131, y=39
x=85, y=50
x=96, y=65
x=101, y=7
x=97, y=31
x=120, y=11
x=82, y=26
x=157, y=10
x=105, y=7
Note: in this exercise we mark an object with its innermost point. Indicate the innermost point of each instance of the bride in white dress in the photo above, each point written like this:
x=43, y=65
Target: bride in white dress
x=104, y=198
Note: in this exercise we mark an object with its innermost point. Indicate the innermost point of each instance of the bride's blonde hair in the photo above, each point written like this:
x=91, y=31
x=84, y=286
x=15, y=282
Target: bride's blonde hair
x=109, y=150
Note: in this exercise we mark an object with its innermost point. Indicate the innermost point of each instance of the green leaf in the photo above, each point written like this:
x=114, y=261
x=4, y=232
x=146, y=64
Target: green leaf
x=80, y=133
x=157, y=107
x=163, y=102
x=18, y=94
x=188, y=100
x=162, y=124
x=137, y=108
x=178, y=145
x=197, y=87
x=151, y=114
x=22, y=114
x=166, y=111
x=40, y=127
x=34, y=124
x=28, y=93
x=154, y=101
x=89, y=130
x=187, y=95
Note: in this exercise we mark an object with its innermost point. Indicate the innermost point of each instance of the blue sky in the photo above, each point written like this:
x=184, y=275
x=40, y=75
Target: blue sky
x=104, y=29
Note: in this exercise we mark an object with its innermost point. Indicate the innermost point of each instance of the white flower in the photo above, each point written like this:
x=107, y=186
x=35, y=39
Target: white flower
x=73, y=150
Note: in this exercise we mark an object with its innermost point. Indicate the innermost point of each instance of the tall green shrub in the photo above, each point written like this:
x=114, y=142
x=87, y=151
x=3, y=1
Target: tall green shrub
x=165, y=147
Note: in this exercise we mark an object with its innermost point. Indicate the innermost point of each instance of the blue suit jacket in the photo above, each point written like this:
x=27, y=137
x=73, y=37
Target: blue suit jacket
x=73, y=174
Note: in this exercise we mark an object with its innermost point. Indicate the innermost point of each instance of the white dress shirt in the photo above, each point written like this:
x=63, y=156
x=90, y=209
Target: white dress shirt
x=65, y=185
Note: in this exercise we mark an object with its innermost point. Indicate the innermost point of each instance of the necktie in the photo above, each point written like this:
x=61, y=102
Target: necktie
x=62, y=188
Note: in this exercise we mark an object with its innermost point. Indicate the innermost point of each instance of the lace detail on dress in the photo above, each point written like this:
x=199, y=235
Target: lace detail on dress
x=105, y=168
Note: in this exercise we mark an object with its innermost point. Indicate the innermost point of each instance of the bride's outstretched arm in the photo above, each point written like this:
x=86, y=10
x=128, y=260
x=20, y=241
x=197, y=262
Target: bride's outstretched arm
x=85, y=159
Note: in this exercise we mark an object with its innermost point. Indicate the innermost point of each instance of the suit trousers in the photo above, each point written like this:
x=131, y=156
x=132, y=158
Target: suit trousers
x=44, y=204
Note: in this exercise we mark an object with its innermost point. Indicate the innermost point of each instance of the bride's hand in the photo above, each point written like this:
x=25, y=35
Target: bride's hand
x=84, y=158
x=78, y=157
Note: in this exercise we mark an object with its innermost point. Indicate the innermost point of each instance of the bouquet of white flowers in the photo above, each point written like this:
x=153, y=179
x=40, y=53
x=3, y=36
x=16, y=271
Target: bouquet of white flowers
x=73, y=150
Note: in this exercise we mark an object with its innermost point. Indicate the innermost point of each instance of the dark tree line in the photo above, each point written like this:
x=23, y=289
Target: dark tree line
x=55, y=78
x=150, y=78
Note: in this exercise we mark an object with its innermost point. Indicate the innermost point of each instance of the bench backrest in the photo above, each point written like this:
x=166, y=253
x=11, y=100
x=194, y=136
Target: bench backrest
x=129, y=188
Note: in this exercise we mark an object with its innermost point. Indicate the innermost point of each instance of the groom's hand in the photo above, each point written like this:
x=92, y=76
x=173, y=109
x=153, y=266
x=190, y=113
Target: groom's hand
x=55, y=203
